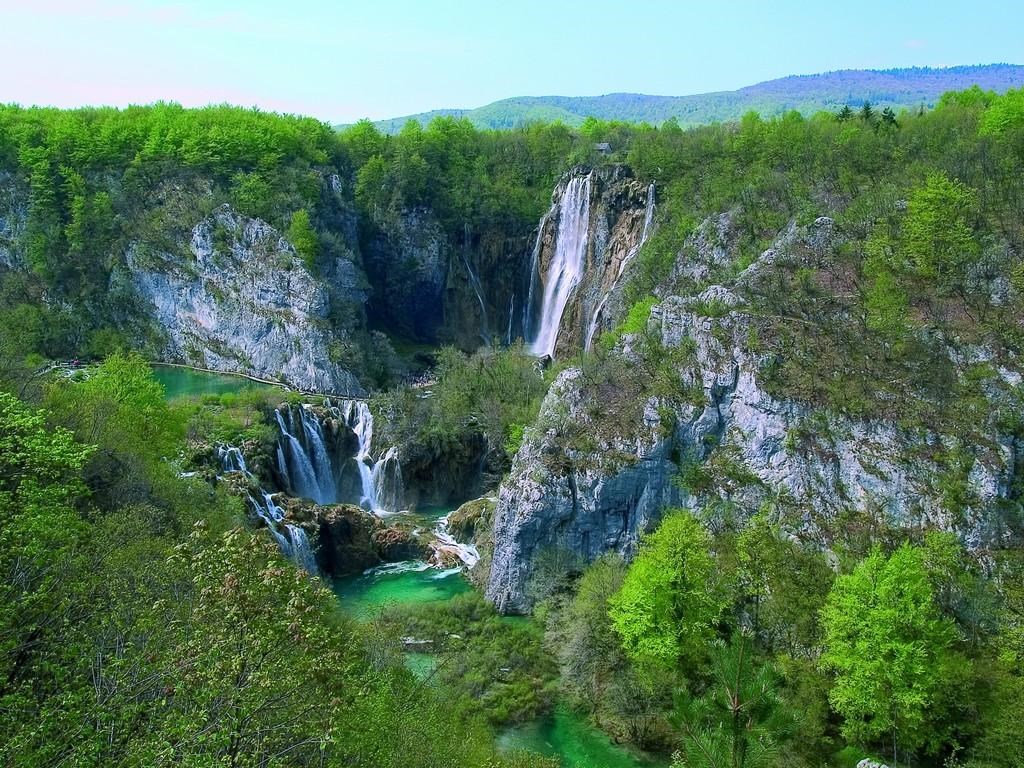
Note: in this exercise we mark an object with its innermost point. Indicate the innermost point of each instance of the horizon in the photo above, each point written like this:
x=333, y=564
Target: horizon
x=341, y=64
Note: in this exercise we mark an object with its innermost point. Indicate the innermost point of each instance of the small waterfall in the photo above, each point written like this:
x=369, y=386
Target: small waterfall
x=511, y=314
x=380, y=481
x=446, y=544
x=303, y=458
x=293, y=543
x=387, y=481
x=648, y=219
x=566, y=267
x=478, y=289
x=534, y=277
x=231, y=459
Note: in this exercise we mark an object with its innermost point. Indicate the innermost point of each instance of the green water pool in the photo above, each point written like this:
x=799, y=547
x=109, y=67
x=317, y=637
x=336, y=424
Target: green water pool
x=397, y=584
x=571, y=738
x=563, y=734
x=188, y=382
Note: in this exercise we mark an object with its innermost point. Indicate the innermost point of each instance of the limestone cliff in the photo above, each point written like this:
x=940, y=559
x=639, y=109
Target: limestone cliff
x=606, y=457
x=244, y=301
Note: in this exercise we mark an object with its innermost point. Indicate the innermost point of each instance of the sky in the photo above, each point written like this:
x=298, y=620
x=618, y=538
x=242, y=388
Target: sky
x=343, y=60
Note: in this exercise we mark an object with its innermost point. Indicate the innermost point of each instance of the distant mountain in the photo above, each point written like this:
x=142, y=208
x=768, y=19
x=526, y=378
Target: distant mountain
x=896, y=88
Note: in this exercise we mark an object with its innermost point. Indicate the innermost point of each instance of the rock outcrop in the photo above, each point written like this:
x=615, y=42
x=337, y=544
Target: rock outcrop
x=618, y=220
x=245, y=302
x=586, y=482
x=347, y=539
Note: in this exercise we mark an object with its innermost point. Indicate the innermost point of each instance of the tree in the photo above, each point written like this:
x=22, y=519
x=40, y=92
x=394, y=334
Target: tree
x=303, y=237
x=844, y=114
x=867, y=114
x=937, y=237
x=669, y=603
x=588, y=650
x=892, y=652
x=40, y=538
x=739, y=721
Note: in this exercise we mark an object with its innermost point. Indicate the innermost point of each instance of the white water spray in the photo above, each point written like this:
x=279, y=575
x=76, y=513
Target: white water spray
x=566, y=267
x=293, y=542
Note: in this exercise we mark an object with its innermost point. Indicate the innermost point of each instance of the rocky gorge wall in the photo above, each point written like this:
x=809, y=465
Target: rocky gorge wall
x=246, y=302
x=580, y=488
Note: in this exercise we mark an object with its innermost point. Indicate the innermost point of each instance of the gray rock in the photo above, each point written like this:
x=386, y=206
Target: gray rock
x=589, y=507
x=245, y=303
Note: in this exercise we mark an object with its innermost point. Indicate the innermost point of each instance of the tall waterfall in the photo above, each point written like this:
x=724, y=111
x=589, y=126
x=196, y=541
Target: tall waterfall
x=648, y=219
x=292, y=540
x=566, y=267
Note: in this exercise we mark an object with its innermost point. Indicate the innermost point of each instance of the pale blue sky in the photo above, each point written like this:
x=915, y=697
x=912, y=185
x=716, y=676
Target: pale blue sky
x=343, y=60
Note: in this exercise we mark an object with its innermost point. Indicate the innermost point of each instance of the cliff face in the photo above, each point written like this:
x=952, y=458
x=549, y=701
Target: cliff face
x=428, y=286
x=603, y=461
x=245, y=302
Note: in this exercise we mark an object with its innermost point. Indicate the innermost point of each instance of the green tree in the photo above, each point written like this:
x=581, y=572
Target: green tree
x=669, y=603
x=40, y=538
x=893, y=653
x=589, y=653
x=739, y=721
x=303, y=237
x=937, y=237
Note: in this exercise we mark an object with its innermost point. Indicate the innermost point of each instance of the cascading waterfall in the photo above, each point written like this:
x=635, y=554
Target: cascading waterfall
x=293, y=543
x=296, y=463
x=445, y=544
x=566, y=267
x=648, y=218
x=380, y=481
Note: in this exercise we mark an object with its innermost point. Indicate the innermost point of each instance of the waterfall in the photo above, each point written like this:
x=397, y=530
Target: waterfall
x=303, y=458
x=446, y=544
x=231, y=459
x=294, y=461
x=648, y=219
x=380, y=481
x=534, y=277
x=477, y=289
x=294, y=543
x=566, y=267
x=511, y=314
x=387, y=482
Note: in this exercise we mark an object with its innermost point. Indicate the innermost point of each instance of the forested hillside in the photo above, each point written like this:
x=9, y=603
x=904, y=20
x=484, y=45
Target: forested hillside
x=759, y=501
x=897, y=89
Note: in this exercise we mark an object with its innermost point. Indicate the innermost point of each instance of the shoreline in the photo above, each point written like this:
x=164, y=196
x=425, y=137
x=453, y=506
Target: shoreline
x=269, y=382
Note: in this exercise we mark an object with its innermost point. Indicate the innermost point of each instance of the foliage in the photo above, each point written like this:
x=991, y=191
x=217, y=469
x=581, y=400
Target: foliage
x=498, y=664
x=485, y=397
x=739, y=721
x=893, y=652
x=668, y=606
x=302, y=235
x=155, y=631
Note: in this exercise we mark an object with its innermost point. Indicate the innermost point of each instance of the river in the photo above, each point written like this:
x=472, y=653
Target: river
x=563, y=733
